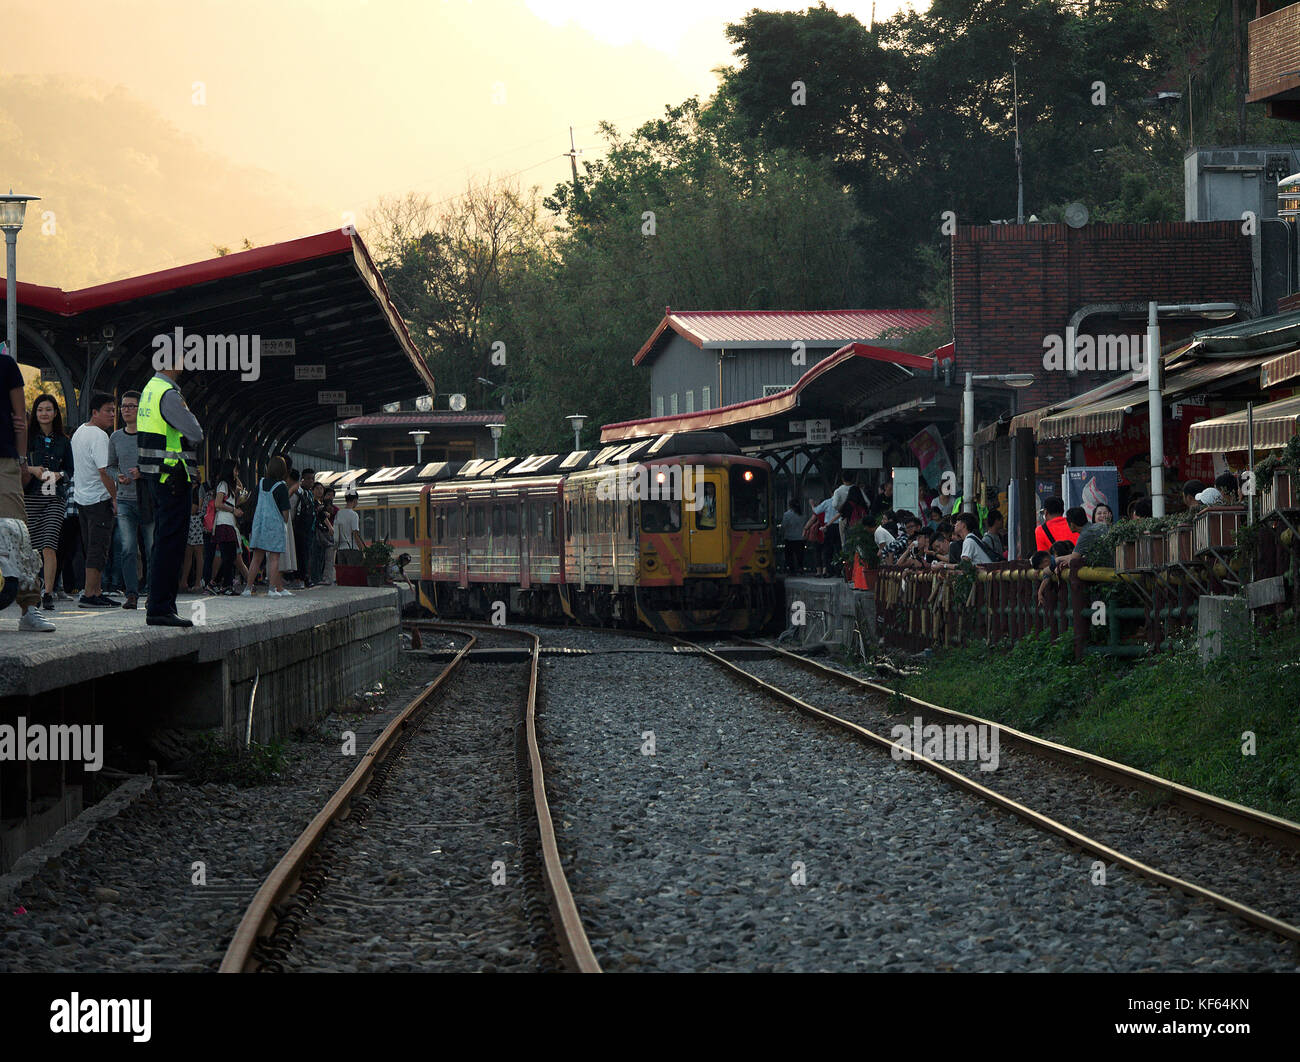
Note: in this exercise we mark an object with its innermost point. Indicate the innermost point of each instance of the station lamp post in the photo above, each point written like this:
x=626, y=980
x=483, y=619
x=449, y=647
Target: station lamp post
x=496, y=430
x=419, y=437
x=1155, y=384
x=1011, y=379
x=347, y=441
x=13, y=208
x=576, y=421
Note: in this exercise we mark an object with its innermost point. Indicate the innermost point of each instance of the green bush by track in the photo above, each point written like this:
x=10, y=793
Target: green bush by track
x=1165, y=715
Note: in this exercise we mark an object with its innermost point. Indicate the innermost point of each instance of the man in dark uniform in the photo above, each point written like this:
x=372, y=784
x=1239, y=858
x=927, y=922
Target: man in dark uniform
x=167, y=433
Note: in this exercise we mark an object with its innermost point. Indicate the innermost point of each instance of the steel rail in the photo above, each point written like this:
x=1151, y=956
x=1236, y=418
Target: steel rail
x=260, y=916
x=572, y=935
x=1249, y=820
x=1035, y=818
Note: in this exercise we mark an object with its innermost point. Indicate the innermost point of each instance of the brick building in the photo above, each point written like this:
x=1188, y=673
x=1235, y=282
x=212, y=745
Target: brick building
x=1015, y=287
x=1274, y=46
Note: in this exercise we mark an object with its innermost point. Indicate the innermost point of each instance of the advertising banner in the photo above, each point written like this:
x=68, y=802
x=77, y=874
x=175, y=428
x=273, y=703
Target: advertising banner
x=931, y=455
x=1090, y=487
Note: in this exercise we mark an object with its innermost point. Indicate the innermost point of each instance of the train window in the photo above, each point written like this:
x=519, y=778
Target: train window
x=661, y=517
x=480, y=520
x=512, y=519
x=498, y=523
x=749, y=498
x=706, y=516
x=368, y=525
x=439, y=525
x=453, y=521
x=551, y=511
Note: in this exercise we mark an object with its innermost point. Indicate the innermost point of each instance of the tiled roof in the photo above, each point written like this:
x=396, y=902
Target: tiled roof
x=715, y=328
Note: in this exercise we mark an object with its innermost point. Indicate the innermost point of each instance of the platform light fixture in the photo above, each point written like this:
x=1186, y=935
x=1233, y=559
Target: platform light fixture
x=576, y=421
x=419, y=437
x=347, y=441
x=13, y=209
x=496, y=430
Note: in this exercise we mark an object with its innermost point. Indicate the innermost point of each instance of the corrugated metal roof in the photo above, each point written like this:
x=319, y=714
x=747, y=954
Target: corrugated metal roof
x=1275, y=424
x=716, y=328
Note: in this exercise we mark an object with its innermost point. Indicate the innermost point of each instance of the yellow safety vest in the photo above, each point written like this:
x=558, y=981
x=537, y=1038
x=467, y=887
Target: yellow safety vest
x=161, y=445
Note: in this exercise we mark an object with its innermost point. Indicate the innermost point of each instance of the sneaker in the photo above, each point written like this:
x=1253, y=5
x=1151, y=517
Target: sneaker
x=32, y=620
x=96, y=602
x=130, y=601
x=246, y=592
x=47, y=601
x=59, y=595
x=279, y=593
x=211, y=591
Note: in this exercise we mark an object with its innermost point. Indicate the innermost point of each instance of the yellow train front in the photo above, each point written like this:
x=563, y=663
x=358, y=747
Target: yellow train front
x=673, y=533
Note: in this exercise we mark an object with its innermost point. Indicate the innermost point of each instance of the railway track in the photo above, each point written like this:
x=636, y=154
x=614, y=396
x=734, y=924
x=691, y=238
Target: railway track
x=403, y=867
x=1241, y=859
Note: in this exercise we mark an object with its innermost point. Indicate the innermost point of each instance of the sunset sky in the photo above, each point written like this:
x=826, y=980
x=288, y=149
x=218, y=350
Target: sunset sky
x=155, y=130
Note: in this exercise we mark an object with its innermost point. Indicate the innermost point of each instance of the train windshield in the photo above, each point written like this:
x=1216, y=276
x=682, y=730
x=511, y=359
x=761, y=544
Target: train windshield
x=749, y=498
x=660, y=517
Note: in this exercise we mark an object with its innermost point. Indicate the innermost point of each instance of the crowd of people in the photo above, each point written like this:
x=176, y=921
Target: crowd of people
x=106, y=516
x=942, y=536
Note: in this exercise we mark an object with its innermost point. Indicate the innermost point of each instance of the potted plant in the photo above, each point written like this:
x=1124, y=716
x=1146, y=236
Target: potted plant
x=1276, y=479
x=376, y=557
x=1178, y=540
x=1123, y=541
x=1216, y=527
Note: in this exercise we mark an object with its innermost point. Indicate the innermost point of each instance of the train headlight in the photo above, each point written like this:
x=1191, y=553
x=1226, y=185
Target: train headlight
x=748, y=475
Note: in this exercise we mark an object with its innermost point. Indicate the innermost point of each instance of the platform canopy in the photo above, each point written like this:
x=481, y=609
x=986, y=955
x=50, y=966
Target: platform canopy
x=856, y=378
x=328, y=332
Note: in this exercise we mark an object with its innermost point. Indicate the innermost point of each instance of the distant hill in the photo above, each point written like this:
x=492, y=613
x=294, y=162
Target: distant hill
x=119, y=209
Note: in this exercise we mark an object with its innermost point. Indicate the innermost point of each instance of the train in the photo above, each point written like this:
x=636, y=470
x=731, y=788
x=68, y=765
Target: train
x=673, y=533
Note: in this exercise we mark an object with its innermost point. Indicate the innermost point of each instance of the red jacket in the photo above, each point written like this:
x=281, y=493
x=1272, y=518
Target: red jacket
x=1061, y=532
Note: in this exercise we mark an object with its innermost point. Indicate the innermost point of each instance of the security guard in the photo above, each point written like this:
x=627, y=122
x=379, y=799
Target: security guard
x=165, y=424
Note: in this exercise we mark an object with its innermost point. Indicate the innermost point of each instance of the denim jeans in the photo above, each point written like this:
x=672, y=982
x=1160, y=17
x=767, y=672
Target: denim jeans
x=128, y=522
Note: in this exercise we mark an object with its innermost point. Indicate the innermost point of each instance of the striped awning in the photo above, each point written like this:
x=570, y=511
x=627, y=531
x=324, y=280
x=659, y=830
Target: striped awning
x=1107, y=415
x=1275, y=424
x=1284, y=367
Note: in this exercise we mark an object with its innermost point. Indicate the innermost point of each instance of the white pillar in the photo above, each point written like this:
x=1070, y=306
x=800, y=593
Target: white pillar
x=1155, y=410
x=968, y=446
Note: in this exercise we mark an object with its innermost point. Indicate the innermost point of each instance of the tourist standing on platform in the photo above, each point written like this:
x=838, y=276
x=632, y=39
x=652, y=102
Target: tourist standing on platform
x=322, y=535
x=192, y=571
x=96, y=496
x=45, y=486
x=165, y=425
x=271, y=534
x=225, y=529
x=792, y=532
x=331, y=514
x=347, y=527
x=289, y=560
x=134, y=504
x=19, y=561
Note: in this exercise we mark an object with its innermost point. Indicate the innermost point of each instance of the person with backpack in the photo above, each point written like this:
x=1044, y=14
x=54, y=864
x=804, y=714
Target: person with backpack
x=995, y=540
x=1054, y=527
x=966, y=525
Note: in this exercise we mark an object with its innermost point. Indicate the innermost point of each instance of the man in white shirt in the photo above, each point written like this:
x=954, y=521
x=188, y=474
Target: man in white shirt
x=972, y=549
x=96, y=493
x=347, y=525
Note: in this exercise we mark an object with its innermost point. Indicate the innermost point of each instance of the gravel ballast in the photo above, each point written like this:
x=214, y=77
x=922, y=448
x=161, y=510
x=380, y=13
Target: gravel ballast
x=756, y=839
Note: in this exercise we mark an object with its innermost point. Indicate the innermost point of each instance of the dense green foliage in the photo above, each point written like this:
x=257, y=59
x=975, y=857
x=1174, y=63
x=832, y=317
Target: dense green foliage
x=818, y=176
x=1165, y=715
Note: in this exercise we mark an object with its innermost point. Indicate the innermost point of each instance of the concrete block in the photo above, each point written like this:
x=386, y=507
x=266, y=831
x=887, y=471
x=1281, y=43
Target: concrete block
x=1220, y=621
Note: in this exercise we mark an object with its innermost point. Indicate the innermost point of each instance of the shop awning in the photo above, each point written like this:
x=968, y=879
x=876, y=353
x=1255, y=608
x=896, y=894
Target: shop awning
x=1107, y=414
x=1275, y=370
x=1275, y=424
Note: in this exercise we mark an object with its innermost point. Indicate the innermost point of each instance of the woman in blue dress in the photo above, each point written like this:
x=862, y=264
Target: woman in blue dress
x=269, y=528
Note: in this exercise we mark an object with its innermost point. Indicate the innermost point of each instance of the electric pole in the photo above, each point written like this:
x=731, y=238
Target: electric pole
x=1020, y=176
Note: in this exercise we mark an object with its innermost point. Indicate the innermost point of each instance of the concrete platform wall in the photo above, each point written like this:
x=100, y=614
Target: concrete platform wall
x=831, y=610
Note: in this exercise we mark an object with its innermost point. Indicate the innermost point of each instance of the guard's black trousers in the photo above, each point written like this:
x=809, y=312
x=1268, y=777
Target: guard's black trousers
x=171, y=504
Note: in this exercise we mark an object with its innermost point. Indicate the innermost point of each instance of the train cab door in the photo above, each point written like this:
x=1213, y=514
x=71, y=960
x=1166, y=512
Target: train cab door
x=704, y=521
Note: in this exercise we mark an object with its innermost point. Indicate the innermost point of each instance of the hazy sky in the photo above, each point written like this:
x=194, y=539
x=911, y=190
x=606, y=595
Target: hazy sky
x=295, y=111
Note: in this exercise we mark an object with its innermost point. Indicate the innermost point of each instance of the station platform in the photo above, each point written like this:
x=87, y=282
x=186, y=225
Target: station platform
x=147, y=686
